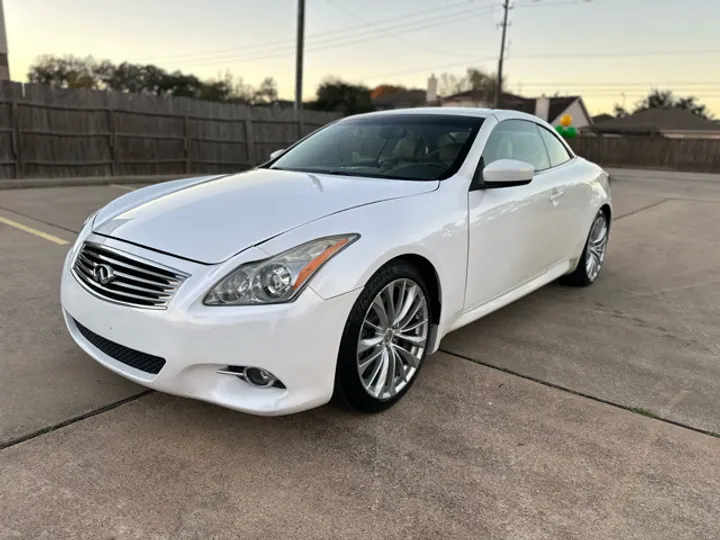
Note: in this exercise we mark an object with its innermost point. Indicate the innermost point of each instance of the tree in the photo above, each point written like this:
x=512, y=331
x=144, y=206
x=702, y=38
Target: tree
x=473, y=79
x=339, y=96
x=68, y=72
x=619, y=111
x=658, y=99
x=72, y=72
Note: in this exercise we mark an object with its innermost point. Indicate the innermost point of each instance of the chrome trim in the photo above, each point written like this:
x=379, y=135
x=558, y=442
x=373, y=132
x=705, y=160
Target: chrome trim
x=136, y=281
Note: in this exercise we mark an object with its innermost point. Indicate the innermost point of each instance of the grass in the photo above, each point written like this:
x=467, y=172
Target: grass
x=645, y=412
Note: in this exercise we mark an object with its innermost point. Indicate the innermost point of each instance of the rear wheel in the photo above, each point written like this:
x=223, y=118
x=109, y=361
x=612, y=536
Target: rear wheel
x=593, y=255
x=385, y=339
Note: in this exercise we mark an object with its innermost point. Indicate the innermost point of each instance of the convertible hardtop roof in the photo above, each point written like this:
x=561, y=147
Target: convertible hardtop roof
x=476, y=112
x=466, y=112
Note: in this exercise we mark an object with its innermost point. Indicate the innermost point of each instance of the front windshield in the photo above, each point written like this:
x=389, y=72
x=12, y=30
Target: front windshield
x=398, y=146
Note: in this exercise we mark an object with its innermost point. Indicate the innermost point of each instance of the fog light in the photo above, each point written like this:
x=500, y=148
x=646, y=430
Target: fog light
x=259, y=377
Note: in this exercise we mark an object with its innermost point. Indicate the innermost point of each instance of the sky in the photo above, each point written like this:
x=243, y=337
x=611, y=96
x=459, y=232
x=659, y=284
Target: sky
x=607, y=51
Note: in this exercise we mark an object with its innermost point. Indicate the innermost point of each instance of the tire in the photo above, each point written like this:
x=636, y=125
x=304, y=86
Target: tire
x=595, y=249
x=364, y=322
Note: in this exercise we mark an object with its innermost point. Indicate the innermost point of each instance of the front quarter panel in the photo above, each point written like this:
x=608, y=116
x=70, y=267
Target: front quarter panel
x=432, y=226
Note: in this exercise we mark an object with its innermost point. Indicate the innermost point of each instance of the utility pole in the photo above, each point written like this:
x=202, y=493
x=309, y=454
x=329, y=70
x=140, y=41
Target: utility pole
x=498, y=85
x=299, y=54
x=4, y=66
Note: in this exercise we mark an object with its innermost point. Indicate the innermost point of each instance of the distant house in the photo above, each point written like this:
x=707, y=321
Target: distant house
x=549, y=109
x=660, y=122
x=401, y=99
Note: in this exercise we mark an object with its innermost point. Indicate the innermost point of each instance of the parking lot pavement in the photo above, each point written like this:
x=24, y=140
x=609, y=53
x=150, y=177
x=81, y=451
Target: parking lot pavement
x=45, y=378
x=646, y=335
x=470, y=453
x=64, y=207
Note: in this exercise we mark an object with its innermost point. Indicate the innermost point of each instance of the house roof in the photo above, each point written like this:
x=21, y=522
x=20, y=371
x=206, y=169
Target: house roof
x=517, y=103
x=658, y=119
x=558, y=106
x=483, y=95
x=602, y=118
x=402, y=98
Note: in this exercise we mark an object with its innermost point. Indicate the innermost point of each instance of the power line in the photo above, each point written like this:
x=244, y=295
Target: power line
x=329, y=35
x=606, y=84
x=390, y=33
x=343, y=37
x=548, y=57
x=359, y=38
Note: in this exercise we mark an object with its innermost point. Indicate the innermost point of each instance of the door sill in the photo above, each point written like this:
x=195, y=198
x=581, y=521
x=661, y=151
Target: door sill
x=515, y=294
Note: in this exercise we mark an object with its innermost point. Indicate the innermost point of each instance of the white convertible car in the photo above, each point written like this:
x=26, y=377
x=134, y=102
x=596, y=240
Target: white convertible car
x=336, y=267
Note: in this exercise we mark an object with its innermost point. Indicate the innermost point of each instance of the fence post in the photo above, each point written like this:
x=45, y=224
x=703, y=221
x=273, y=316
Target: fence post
x=112, y=142
x=15, y=135
x=186, y=144
x=250, y=141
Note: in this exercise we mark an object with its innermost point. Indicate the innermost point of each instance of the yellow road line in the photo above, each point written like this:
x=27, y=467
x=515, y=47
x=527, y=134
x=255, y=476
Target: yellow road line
x=48, y=237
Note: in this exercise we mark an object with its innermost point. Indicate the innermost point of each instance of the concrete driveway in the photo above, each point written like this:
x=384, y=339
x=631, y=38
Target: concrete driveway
x=570, y=414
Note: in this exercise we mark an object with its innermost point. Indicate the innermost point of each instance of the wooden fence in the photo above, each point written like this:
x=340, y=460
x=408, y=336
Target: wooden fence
x=691, y=155
x=47, y=132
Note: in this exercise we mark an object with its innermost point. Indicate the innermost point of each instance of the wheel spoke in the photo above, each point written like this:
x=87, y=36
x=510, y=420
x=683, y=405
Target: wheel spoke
x=399, y=364
x=369, y=360
x=592, y=266
x=389, y=386
x=375, y=371
x=418, y=302
x=374, y=326
x=412, y=325
x=406, y=355
x=369, y=343
x=382, y=373
x=389, y=293
x=379, y=309
x=406, y=303
x=415, y=340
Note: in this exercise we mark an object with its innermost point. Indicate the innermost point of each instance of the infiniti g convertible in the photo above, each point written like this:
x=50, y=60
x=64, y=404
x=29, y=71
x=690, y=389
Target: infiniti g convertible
x=334, y=269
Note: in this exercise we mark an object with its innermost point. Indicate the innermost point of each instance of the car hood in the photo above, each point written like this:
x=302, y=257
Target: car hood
x=210, y=219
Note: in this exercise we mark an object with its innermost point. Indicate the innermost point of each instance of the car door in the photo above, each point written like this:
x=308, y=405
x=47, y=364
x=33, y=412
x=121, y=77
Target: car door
x=570, y=196
x=508, y=226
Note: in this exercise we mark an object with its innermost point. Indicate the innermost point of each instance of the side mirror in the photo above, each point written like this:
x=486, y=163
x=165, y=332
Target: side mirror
x=276, y=153
x=507, y=173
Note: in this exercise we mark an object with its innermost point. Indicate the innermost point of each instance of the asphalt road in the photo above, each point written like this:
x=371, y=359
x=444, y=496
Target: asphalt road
x=535, y=422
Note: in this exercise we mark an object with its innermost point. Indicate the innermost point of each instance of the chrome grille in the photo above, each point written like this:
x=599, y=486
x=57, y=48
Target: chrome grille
x=125, y=279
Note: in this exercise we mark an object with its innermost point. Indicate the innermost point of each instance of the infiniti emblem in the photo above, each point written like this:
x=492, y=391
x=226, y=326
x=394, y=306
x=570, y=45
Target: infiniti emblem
x=103, y=274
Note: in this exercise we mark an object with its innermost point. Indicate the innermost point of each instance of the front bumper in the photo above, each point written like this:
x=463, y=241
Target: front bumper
x=297, y=342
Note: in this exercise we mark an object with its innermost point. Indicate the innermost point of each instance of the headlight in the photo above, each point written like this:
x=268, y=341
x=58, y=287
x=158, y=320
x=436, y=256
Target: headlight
x=278, y=279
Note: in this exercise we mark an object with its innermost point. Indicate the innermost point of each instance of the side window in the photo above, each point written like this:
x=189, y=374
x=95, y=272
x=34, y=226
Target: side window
x=558, y=153
x=516, y=139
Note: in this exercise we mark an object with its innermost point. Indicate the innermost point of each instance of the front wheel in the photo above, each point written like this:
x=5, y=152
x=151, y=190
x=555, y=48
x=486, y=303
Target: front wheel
x=593, y=255
x=385, y=340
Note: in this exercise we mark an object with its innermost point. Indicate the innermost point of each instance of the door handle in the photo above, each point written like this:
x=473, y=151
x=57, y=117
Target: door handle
x=556, y=195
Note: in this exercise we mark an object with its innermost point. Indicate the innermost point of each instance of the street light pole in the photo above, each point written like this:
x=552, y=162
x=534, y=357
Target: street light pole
x=498, y=84
x=299, y=54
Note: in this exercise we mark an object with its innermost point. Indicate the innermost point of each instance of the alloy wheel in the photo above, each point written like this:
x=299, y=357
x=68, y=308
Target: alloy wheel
x=393, y=338
x=597, y=246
